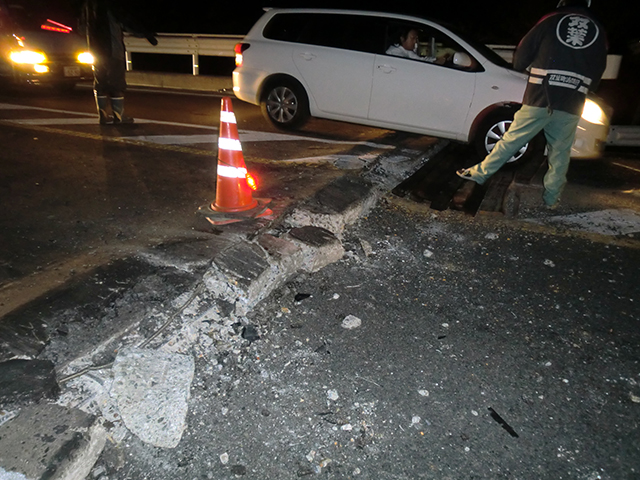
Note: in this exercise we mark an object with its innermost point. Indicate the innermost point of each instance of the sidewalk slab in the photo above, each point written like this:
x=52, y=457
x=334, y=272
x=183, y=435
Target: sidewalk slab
x=49, y=442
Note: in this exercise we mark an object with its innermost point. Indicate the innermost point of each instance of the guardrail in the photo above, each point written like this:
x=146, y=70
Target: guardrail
x=222, y=46
x=183, y=44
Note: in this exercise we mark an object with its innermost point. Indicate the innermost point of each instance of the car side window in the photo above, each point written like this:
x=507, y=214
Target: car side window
x=349, y=32
x=432, y=45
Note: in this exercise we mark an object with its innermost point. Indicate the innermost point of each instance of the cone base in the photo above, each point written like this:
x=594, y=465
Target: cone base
x=218, y=217
x=246, y=208
x=226, y=220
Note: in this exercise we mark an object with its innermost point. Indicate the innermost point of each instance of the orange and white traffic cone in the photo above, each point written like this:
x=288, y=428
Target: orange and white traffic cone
x=234, y=201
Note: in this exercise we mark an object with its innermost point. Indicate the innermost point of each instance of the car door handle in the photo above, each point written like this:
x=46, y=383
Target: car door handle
x=386, y=68
x=307, y=56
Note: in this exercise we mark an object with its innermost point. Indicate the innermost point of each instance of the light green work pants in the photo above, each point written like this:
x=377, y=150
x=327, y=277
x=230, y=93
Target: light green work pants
x=559, y=130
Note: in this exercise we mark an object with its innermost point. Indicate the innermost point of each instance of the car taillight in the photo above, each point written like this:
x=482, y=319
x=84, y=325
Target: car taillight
x=239, y=49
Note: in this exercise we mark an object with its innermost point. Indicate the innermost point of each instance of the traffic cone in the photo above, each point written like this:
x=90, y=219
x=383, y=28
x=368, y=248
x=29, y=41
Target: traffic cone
x=234, y=201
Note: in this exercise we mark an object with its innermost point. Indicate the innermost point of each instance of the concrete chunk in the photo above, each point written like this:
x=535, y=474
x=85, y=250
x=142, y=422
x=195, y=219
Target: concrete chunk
x=151, y=389
x=337, y=205
x=51, y=442
x=319, y=247
x=244, y=261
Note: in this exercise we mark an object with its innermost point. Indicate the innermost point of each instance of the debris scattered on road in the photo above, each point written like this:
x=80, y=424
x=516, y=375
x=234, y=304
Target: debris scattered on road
x=250, y=333
x=224, y=458
x=428, y=253
x=332, y=395
x=424, y=393
x=367, y=248
x=350, y=322
x=549, y=263
x=491, y=236
x=504, y=424
x=301, y=296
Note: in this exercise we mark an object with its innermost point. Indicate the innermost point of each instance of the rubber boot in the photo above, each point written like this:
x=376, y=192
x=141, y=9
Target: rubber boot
x=117, y=105
x=101, y=103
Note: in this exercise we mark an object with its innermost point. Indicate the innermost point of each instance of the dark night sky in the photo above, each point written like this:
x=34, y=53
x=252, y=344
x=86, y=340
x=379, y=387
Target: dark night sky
x=490, y=21
x=495, y=21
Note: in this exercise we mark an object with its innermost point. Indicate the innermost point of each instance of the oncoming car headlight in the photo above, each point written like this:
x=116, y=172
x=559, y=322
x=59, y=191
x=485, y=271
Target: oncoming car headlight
x=28, y=57
x=592, y=113
x=86, y=58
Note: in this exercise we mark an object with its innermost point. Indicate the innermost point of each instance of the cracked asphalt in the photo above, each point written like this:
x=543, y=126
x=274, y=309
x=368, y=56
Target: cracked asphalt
x=486, y=349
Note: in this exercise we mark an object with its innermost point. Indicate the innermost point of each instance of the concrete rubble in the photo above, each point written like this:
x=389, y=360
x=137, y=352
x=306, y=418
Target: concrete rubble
x=144, y=390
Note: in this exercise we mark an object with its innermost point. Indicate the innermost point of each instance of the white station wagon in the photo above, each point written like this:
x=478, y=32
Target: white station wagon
x=334, y=64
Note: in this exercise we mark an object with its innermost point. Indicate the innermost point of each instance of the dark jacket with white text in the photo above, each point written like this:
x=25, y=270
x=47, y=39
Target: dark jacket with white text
x=567, y=53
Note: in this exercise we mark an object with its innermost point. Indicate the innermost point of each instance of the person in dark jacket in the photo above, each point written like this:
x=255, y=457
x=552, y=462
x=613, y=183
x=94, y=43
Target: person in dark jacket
x=567, y=54
x=104, y=22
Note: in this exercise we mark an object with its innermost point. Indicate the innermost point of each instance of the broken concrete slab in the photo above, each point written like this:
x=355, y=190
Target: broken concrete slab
x=392, y=168
x=21, y=336
x=151, y=389
x=335, y=206
x=319, y=247
x=26, y=381
x=189, y=256
x=62, y=443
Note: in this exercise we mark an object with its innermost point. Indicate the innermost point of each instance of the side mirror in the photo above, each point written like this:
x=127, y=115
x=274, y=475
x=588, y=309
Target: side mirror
x=461, y=59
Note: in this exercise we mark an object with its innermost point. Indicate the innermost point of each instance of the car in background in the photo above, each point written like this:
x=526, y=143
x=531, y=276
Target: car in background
x=39, y=45
x=297, y=63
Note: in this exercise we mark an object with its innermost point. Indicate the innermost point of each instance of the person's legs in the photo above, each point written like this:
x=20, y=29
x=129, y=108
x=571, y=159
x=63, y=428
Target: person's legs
x=102, y=104
x=101, y=95
x=118, y=84
x=560, y=133
x=527, y=123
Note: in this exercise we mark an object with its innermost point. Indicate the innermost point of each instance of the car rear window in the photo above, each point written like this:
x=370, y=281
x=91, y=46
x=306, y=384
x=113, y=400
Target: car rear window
x=350, y=32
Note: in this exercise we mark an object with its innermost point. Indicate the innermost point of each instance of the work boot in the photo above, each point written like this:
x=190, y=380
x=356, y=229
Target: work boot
x=101, y=103
x=117, y=105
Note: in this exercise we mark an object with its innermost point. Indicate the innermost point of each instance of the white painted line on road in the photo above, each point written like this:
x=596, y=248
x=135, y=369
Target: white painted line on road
x=57, y=121
x=625, y=166
x=175, y=139
x=604, y=222
x=245, y=135
x=8, y=106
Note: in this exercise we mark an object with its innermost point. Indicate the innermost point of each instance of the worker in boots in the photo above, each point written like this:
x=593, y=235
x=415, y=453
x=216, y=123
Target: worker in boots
x=104, y=22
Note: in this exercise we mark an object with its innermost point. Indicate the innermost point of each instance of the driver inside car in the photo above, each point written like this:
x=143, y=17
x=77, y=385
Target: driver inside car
x=407, y=46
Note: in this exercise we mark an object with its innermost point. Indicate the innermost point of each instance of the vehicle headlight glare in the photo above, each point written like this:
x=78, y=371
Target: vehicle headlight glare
x=28, y=56
x=86, y=58
x=592, y=113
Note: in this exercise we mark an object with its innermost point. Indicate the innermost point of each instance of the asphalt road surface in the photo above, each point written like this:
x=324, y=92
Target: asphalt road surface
x=77, y=195
x=441, y=346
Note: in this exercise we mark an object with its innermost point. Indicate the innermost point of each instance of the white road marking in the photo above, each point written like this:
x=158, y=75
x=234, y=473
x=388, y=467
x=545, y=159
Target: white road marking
x=625, y=166
x=175, y=139
x=604, y=222
x=245, y=135
x=59, y=121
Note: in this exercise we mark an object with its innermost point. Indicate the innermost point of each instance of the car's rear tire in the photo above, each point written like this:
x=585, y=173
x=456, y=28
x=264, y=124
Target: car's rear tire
x=285, y=104
x=492, y=129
